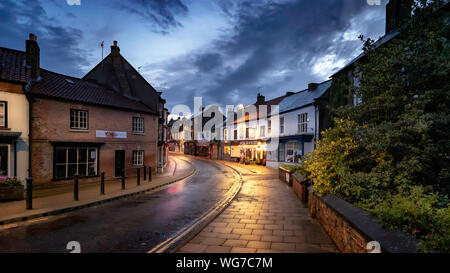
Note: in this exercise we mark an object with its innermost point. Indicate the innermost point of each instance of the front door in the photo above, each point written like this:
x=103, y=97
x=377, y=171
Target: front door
x=3, y=160
x=119, y=162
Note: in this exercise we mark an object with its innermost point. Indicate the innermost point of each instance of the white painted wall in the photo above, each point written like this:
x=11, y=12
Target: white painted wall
x=18, y=117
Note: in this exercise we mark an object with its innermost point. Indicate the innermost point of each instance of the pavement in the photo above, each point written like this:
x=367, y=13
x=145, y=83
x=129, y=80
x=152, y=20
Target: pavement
x=51, y=201
x=265, y=217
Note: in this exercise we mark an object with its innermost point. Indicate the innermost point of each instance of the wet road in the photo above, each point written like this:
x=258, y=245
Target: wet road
x=135, y=224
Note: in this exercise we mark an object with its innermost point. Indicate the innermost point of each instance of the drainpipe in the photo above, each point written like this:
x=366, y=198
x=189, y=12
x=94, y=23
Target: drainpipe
x=30, y=134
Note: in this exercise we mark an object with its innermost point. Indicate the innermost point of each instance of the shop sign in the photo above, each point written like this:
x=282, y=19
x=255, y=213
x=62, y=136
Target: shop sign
x=110, y=134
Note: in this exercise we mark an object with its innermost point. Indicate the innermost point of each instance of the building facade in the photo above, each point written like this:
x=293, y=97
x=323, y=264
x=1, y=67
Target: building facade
x=302, y=117
x=15, y=74
x=118, y=74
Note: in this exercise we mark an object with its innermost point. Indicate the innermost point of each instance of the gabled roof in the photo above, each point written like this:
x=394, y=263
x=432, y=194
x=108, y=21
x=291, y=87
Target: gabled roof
x=13, y=66
x=60, y=86
x=303, y=98
x=106, y=72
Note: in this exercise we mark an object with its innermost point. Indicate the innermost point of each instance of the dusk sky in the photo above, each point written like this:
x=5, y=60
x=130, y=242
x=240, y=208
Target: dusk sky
x=223, y=50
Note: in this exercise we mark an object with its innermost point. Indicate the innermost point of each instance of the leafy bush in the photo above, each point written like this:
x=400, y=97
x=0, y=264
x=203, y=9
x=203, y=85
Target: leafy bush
x=425, y=216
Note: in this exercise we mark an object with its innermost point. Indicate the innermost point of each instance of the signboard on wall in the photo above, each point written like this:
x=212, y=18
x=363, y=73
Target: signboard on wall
x=110, y=134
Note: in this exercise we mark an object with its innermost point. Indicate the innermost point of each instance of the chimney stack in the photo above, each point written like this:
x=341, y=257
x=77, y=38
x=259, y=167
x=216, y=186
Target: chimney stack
x=312, y=86
x=33, y=56
x=397, y=11
x=260, y=98
x=115, y=50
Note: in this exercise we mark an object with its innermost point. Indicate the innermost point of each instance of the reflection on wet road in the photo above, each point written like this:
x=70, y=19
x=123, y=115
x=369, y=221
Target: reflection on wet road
x=135, y=224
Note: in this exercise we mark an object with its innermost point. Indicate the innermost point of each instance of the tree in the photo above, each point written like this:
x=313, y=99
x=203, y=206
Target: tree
x=396, y=142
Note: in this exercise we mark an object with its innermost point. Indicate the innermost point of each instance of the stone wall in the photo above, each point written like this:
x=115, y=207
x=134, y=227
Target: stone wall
x=352, y=228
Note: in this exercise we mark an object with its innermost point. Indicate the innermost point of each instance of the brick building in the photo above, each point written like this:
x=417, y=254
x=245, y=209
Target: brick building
x=83, y=126
x=118, y=74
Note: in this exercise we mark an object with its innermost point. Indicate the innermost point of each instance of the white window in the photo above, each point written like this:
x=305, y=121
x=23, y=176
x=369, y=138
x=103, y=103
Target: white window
x=251, y=133
x=72, y=160
x=138, y=125
x=303, y=123
x=138, y=158
x=78, y=119
x=225, y=134
x=282, y=125
x=262, y=131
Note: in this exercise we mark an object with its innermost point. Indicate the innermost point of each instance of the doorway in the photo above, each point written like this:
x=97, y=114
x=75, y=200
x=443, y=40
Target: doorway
x=3, y=160
x=119, y=162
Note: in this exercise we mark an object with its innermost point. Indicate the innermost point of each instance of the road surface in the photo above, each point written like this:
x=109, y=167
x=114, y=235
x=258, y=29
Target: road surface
x=134, y=224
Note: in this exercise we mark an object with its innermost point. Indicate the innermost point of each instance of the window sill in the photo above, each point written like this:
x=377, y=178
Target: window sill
x=79, y=131
x=138, y=134
x=5, y=129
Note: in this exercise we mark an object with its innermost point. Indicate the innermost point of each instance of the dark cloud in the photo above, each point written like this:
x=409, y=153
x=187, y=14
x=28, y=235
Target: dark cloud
x=160, y=14
x=279, y=46
x=59, y=45
x=208, y=62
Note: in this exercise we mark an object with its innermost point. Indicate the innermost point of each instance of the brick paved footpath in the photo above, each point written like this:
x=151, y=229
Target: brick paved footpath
x=266, y=217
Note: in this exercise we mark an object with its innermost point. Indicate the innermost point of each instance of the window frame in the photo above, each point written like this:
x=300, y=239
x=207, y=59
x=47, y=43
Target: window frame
x=5, y=116
x=281, y=125
x=78, y=111
x=135, y=161
x=262, y=131
x=95, y=163
x=135, y=125
x=302, y=123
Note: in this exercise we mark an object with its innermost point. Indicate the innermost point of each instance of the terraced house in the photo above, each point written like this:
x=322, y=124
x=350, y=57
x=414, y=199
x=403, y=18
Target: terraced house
x=15, y=73
x=78, y=126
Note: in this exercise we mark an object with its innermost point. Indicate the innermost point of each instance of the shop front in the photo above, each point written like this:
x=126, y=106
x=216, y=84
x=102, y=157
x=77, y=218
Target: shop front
x=253, y=152
x=292, y=149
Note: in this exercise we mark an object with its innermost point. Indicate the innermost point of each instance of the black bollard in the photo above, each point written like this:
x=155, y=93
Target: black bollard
x=138, y=176
x=102, y=183
x=123, y=179
x=75, y=187
x=29, y=193
x=145, y=173
x=149, y=173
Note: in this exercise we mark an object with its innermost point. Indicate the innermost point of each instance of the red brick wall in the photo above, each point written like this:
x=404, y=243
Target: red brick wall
x=51, y=122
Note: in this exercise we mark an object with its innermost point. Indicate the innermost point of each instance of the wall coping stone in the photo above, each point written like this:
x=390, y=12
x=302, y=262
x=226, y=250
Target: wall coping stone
x=391, y=241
